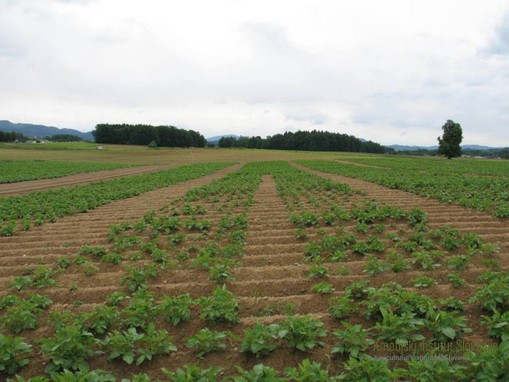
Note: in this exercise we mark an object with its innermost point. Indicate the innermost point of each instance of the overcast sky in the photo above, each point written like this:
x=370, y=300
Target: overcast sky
x=390, y=71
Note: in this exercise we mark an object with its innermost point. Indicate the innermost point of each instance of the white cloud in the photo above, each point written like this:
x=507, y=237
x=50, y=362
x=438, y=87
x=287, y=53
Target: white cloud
x=391, y=71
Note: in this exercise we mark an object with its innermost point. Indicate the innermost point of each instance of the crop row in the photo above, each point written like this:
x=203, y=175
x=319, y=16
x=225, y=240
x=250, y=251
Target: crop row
x=18, y=171
x=204, y=233
x=488, y=194
x=36, y=208
x=124, y=327
x=464, y=166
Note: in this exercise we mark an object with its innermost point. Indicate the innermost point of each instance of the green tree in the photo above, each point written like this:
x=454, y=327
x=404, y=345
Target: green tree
x=449, y=144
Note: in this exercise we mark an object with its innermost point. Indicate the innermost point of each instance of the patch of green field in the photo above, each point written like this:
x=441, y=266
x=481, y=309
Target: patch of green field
x=476, y=184
x=465, y=166
x=17, y=171
x=37, y=208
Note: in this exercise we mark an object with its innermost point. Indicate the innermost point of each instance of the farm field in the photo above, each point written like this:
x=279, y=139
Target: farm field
x=18, y=171
x=258, y=271
x=23, y=212
x=20, y=188
x=479, y=184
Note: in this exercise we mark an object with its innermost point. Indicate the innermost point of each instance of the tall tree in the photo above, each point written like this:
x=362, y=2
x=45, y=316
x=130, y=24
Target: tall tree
x=449, y=144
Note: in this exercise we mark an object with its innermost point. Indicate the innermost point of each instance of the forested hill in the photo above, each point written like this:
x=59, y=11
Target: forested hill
x=306, y=141
x=165, y=136
x=31, y=130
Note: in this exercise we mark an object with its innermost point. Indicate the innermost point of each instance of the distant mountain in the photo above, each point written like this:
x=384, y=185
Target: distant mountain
x=30, y=130
x=478, y=147
x=412, y=148
x=465, y=147
x=218, y=137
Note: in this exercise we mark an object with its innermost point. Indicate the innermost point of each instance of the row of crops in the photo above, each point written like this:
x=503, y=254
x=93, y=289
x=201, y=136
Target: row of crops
x=481, y=185
x=18, y=171
x=23, y=212
x=165, y=297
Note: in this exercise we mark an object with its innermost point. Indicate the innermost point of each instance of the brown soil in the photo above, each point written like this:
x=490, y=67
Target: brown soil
x=20, y=188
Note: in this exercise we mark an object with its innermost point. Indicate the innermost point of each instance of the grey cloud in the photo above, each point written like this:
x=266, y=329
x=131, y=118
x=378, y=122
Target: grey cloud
x=500, y=43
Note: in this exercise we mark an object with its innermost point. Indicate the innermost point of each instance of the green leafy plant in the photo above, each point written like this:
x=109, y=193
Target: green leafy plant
x=397, y=262
x=112, y=258
x=39, y=277
x=490, y=364
x=69, y=348
x=459, y=262
x=193, y=373
x=318, y=271
x=374, y=266
x=494, y=295
x=220, y=273
x=176, y=309
x=131, y=346
x=366, y=368
x=498, y=324
x=305, y=219
x=206, y=341
x=456, y=281
x=308, y=371
x=416, y=216
x=89, y=269
x=341, y=307
x=302, y=332
x=13, y=354
x=400, y=329
x=23, y=314
x=140, y=310
x=432, y=368
x=427, y=261
x=258, y=373
x=357, y=290
x=423, y=281
x=100, y=319
x=446, y=326
x=322, y=288
x=354, y=340
x=136, y=278
x=220, y=306
x=452, y=304
x=260, y=339
x=301, y=234
x=93, y=251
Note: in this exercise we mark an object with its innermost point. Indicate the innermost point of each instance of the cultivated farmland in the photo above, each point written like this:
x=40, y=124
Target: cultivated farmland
x=17, y=171
x=482, y=185
x=262, y=271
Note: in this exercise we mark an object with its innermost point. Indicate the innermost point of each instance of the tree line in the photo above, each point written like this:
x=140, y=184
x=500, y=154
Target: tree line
x=306, y=141
x=165, y=136
x=11, y=136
